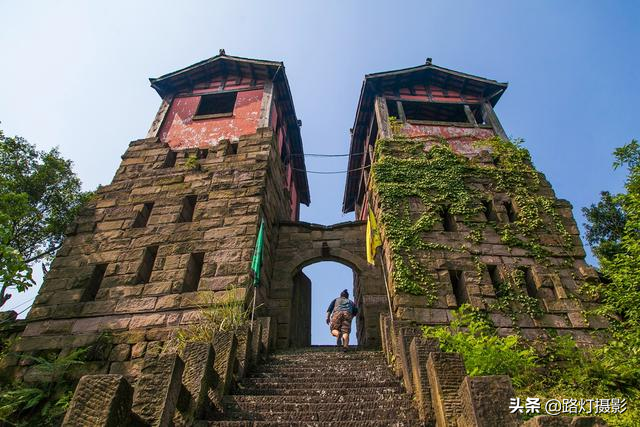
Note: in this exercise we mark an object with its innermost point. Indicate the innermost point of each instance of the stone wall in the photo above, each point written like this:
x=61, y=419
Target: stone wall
x=554, y=281
x=127, y=272
x=172, y=389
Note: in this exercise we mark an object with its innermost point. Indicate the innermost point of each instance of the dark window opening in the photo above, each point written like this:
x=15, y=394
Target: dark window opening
x=511, y=213
x=448, y=220
x=188, y=207
x=146, y=267
x=495, y=277
x=232, y=148
x=202, y=153
x=170, y=159
x=142, y=217
x=434, y=112
x=457, y=283
x=95, y=281
x=489, y=211
x=216, y=104
x=392, y=108
x=194, y=271
x=529, y=283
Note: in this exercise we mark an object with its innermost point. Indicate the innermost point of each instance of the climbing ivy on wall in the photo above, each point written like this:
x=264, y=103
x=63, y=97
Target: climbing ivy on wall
x=438, y=179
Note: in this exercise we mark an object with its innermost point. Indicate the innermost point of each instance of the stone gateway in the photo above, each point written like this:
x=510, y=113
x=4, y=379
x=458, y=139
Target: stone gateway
x=175, y=232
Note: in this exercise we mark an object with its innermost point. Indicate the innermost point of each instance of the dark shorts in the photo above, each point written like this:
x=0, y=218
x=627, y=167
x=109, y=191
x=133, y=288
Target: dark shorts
x=341, y=321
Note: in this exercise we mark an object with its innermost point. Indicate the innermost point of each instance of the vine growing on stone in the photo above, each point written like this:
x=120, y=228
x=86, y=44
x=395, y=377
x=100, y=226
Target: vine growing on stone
x=436, y=178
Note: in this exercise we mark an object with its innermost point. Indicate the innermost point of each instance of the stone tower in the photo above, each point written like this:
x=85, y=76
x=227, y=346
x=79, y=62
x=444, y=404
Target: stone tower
x=177, y=226
x=464, y=215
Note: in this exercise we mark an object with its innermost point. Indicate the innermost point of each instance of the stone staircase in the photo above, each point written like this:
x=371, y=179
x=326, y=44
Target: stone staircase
x=236, y=380
x=320, y=386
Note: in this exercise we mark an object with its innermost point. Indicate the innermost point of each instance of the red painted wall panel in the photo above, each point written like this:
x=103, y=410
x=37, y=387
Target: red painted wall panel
x=180, y=131
x=461, y=139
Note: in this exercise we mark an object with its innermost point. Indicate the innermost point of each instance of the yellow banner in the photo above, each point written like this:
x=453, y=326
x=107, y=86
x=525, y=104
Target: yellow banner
x=373, y=238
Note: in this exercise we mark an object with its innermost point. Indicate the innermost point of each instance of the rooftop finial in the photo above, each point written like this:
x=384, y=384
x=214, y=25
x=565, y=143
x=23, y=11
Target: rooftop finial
x=222, y=52
x=428, y=62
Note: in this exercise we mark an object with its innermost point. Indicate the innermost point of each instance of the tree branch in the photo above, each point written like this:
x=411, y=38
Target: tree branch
x=45, y=253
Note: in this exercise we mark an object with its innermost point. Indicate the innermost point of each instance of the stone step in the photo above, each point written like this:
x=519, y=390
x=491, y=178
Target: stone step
x=327, y=349
x=324, y=363
x=285, y=369
x=320, y=387
x=337, y=355
x=309, y=399
x=324, y=416
x=360, y=423
x=318, y=376
x=324, y=384
x=270, y=406
x=286, y=391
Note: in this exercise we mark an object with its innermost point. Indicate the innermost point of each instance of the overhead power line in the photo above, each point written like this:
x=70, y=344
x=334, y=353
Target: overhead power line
x=329, y=172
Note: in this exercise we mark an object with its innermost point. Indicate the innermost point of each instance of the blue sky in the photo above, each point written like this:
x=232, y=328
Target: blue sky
x=74, y=75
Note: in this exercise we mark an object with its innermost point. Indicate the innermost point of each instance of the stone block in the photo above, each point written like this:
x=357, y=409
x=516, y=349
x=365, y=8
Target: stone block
x=577, y=319
x=485, y=402
x=130, y=369
x=147, y=320
x=100, y=401
x=157, y=390
x=224, y=344
x=120, y=352
x=256, y=344
x=419, y=350
x=197, y=380
x=133, y=305
x=446, y=372
x=403, y=358
x=137, y=350
x=243, y=350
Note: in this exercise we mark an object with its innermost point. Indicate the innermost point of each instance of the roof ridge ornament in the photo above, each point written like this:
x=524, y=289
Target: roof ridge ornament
x=221, y=52
x=428, y=61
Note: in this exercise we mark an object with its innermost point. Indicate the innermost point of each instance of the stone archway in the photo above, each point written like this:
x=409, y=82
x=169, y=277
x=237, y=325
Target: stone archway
x=301, y=244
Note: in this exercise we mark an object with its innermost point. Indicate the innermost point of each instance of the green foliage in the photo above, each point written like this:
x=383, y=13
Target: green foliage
x=395, y=125
x=512, y=299
x=621, y=297
x=44, y=402
x=192, y=163
x=551, y=368
x=228, y=314
x=515, y=175
x=605, y=226
x=485, y=353
x=39, y=197
x=439, y=178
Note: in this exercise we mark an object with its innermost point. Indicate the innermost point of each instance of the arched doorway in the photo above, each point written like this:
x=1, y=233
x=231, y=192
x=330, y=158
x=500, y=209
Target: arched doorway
x=289, y=298
x=314, y=287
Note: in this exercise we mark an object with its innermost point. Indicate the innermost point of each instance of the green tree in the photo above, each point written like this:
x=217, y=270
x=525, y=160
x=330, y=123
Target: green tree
x=605, y=225
x=614, y=233
x=622, y=296
x=39, y=197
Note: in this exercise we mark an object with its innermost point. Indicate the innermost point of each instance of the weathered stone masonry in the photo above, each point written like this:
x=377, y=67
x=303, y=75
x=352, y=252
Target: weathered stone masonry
x=140, y=316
